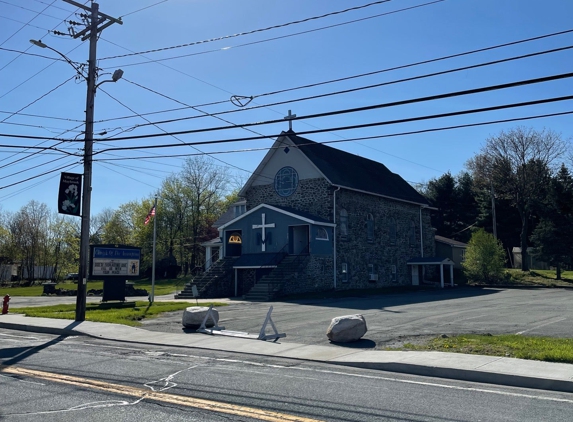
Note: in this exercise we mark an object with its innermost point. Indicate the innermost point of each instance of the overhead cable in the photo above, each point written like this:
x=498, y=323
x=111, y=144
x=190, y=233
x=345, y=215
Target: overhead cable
x=248, y=32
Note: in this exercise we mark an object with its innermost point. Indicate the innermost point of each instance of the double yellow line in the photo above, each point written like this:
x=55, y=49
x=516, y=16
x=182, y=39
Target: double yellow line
x=213, y=406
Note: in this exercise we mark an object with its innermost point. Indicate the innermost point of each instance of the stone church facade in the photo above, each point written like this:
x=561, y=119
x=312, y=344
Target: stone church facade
x=346, y=222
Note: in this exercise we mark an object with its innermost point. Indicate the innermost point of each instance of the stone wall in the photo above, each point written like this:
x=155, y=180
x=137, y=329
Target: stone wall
x=315, y=276
x=380, y=231
x=392, y=239
x=311, y=195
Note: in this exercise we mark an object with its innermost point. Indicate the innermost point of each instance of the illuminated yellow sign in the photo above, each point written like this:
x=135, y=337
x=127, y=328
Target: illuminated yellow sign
x=235, y=238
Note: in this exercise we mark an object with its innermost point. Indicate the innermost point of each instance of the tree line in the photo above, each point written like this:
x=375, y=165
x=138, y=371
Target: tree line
x=189, y=202
x=517, y=188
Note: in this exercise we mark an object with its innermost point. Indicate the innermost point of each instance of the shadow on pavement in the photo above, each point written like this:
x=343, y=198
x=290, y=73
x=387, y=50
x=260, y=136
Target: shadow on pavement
x=381, y=300
x=360, y=344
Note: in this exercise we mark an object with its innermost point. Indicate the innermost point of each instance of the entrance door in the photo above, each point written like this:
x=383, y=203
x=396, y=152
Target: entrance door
x=234, y=241
x=298, y=239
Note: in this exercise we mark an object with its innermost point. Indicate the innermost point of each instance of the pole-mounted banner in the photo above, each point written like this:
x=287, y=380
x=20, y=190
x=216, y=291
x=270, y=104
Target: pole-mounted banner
x=70, y=194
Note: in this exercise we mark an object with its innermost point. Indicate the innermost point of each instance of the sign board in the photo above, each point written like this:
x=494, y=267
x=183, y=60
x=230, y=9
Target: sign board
x=109, y=261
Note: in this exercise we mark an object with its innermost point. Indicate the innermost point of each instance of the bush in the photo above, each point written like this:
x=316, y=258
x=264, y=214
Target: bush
x=484, y=259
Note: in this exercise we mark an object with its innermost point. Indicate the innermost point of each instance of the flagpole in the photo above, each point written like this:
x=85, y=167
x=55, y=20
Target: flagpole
x=153, y=263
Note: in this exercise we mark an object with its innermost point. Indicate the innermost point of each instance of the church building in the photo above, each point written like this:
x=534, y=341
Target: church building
x=314, y=218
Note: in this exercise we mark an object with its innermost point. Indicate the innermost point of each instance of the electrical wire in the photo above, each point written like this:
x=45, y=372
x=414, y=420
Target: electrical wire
x=35, y=177
x=38, y=148
x=346, y=91
x=372, y=124
x=38, y=99
x=372, y=107
x=23, y=23
x=143, y=8
x=156, y=50
x=180, y=140
x=42, y=116
x=34, y=11
x=434, y=60
x=364, y=138
x=284, y=36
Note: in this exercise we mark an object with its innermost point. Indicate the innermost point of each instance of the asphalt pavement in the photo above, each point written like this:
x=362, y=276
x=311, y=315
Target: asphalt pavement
x=388, y=317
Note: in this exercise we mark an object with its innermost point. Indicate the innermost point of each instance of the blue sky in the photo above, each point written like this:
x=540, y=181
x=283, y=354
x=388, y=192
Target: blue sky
x=261, y=63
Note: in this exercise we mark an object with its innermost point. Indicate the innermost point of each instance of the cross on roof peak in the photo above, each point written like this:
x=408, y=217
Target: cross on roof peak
x=290, y=117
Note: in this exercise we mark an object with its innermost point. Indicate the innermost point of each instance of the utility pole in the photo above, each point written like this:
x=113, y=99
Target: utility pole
x=96, y=18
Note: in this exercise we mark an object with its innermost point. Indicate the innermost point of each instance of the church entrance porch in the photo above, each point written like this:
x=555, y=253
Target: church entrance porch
x=298, y=240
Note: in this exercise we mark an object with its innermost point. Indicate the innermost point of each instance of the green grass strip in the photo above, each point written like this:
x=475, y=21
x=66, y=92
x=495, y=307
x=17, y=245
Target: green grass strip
x=126, y=313
x=546, y=349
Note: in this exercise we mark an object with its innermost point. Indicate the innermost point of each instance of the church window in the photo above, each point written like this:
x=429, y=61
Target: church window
x=240, y=209
x=412, y=233
x=392, y=231
x=321, y=233
x=286, y=181
x=343, y=223
x=370, y=227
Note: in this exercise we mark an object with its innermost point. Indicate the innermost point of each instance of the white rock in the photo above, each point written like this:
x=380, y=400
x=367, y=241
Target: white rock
x=347, y=328
x=193, y=317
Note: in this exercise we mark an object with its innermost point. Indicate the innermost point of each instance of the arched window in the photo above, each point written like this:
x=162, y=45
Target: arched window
x=392, y=231
x=412, y=233
x=321, y=233
x=343, y=223
x=370, y=227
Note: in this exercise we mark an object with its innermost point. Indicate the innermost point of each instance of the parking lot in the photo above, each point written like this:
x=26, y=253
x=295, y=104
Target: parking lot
x=395, y=318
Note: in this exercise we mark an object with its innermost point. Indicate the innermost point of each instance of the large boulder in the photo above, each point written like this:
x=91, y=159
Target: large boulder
x=193, y=317
x=347, y=328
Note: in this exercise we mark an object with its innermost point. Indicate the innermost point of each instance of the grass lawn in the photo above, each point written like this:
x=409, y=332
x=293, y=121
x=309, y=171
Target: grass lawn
x=162, y=287
x=538, y=278
x=127, y=314
x=508, y=345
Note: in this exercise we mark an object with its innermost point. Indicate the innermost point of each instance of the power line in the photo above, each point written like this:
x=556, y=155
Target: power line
x=248, y=32
x=35, y=177
x=31, y=54
x=23, y=26
x=366, y=108
x=437, y=59
x=143, y=8
x=180, y=140
x=371, y=107
x=286, y=36
x=34, y=11
x=23, y=23
x=357, y=126
x=38, y=149
x=346, y=91
x=364, y=138
x=41, y=116
x=38, y=99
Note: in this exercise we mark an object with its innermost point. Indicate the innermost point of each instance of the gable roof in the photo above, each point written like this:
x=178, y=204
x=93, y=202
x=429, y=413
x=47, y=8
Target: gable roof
x=354, y=172
x=453, y=243
x=309, y=218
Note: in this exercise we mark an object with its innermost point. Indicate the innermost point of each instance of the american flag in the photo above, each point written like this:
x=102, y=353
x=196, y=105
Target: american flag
x=149, y=215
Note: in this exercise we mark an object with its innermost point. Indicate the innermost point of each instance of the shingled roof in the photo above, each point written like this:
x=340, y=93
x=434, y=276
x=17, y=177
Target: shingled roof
x=354, y=172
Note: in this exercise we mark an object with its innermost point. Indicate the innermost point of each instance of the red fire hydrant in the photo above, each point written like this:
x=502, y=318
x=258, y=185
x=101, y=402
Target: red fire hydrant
x=5, y=304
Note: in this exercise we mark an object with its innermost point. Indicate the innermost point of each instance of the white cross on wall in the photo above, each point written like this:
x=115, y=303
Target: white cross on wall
x=290, y=118
x=263, y=227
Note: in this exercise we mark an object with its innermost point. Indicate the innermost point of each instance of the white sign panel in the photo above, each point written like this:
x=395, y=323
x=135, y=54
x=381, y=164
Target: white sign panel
x=115, y=262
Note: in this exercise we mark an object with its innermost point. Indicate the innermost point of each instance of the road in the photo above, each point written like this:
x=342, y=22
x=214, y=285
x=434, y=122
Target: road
x=50, y=378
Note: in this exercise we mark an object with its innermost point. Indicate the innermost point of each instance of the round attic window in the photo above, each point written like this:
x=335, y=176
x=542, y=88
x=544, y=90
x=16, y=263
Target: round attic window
x=286, y=181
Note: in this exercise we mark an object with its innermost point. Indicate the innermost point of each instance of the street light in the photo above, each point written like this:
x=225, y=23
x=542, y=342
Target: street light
x=88, y=152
